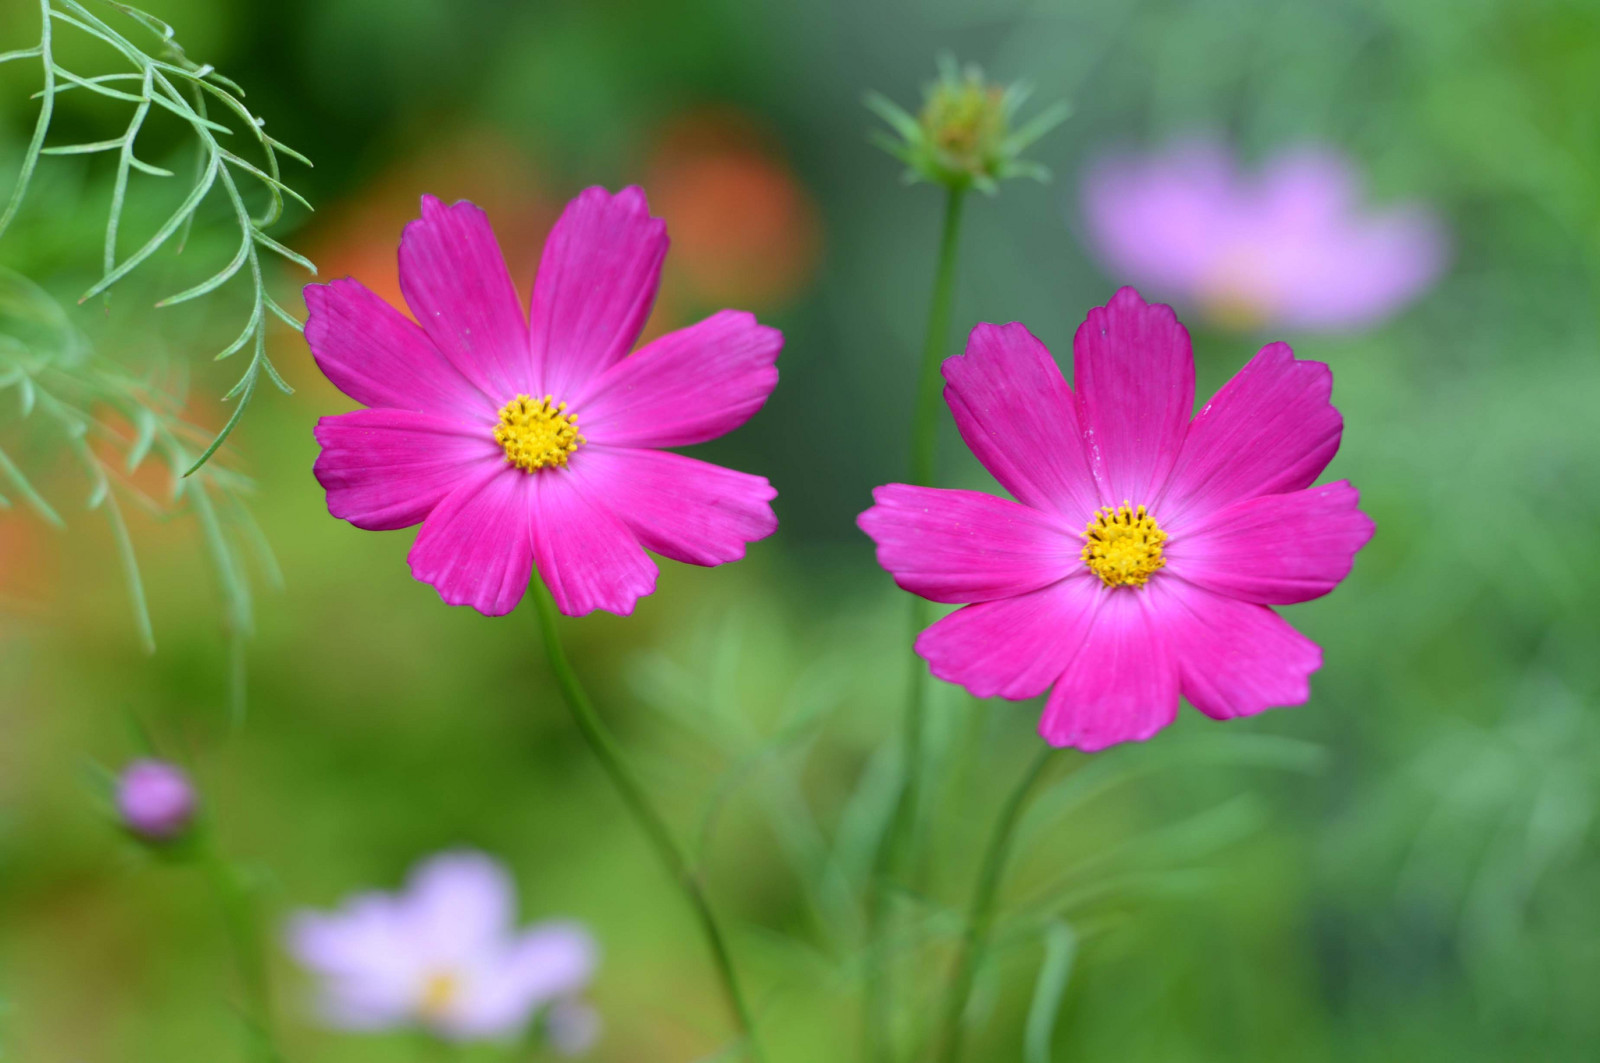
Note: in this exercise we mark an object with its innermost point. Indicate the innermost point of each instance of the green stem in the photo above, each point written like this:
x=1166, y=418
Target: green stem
x=924, y=458
x=925, y=419
x=611, y=758
x=980, y=915
x=250, y=962
x=896, y=845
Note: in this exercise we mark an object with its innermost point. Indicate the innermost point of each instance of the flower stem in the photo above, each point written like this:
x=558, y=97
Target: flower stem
x=925, y=419
x=611, y=758
x=894, y=851
x=980, y=915
x=924, y=457
x=250, y=962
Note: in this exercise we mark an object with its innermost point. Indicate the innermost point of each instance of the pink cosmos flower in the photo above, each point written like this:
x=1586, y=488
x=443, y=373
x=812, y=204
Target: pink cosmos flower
x=1146, y=546
x=445, y=955
x=522, y=439
x=1290, y=246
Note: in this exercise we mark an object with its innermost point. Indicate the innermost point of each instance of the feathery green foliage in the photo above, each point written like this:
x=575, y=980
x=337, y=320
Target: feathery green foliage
x=164, y=78
x=113, y=424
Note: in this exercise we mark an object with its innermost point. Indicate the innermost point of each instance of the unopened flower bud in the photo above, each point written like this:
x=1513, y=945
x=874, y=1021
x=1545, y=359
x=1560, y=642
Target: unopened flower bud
x=964, y=136
x=155, y=799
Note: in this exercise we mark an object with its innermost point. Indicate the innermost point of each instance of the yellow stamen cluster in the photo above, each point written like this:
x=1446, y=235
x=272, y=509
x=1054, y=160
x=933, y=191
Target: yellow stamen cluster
x=537, y=434
x=1123, y=546
x=439, y=991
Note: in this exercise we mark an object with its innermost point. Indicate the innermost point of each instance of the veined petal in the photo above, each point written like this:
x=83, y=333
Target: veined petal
x=1275, y=549
x=1235, y=658
x=586, y=555
x=597, y=280
x=963, y=546
x=1270, y=430
x=1134, y=373
x=474, y=547
x=456, y=282
x=378, y=357
x=386, y=469
x=689, y=510
x=685, y=387
x=1012, y=647
x=1020, y=418
x=1122, y=686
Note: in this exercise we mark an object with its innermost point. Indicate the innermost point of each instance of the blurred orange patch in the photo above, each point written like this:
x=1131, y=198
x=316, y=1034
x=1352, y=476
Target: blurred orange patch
x=30, y=559
x=360, y=237
x=745, y=232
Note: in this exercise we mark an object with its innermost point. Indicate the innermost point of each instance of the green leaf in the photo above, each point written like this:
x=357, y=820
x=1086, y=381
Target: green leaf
x=26, y=490
x=1060, y=950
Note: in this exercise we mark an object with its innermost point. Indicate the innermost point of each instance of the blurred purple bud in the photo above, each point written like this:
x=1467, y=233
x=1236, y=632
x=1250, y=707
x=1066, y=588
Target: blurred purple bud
x=155, y=799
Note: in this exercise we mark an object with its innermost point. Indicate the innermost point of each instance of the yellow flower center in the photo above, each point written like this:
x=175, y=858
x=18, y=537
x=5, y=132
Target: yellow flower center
x=439, y=991
x=537, y=434
x=1123, y=546
x=1238, y=293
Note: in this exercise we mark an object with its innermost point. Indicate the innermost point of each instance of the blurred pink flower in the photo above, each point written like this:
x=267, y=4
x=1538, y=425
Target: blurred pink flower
x=444, y=955
x=1145, y=547
x=1289, y=247
x=155, y=799
x=474, y=429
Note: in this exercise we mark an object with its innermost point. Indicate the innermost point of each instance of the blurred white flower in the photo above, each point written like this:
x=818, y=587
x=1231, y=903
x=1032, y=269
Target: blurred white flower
x=445, y=955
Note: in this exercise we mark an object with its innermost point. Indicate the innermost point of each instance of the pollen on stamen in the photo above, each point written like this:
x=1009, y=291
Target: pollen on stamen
x=1123, y=546
x=537, y=433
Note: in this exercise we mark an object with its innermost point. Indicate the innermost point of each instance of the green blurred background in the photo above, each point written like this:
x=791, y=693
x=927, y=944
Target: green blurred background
x=1403, y=868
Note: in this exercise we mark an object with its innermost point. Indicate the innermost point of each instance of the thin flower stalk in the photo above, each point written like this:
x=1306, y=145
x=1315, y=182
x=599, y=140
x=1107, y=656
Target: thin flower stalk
x=981, y=911
x=626, y=781
x=894, y=851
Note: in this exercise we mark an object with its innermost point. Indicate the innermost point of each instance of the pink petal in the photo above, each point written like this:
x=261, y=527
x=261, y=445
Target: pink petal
x=456, y=282
x=1235, y=658
x=1365, y=270
x=963, y=546
x=365, y=960
x=688, y=510
x=1135, y=379
x=1161, y=220
x=459, y=904
x=1271, y=429
x=1018, y=415
x=1275, y=549
x=586, y=555
x=377, y=356
x=365, y=939
x=474, y=548
x=597, y=279
x=1012, y=647
x=1122, y=686
x=686, y=387
x=540, y=965
x=386, y=469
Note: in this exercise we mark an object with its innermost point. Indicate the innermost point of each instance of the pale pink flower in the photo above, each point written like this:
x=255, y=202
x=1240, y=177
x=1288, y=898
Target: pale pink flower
x=444, y=955
x=1145, y=547
x=523, y=439
x=1290, y=245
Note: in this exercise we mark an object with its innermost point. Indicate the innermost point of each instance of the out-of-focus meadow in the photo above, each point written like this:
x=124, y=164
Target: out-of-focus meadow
x=1405, y=867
